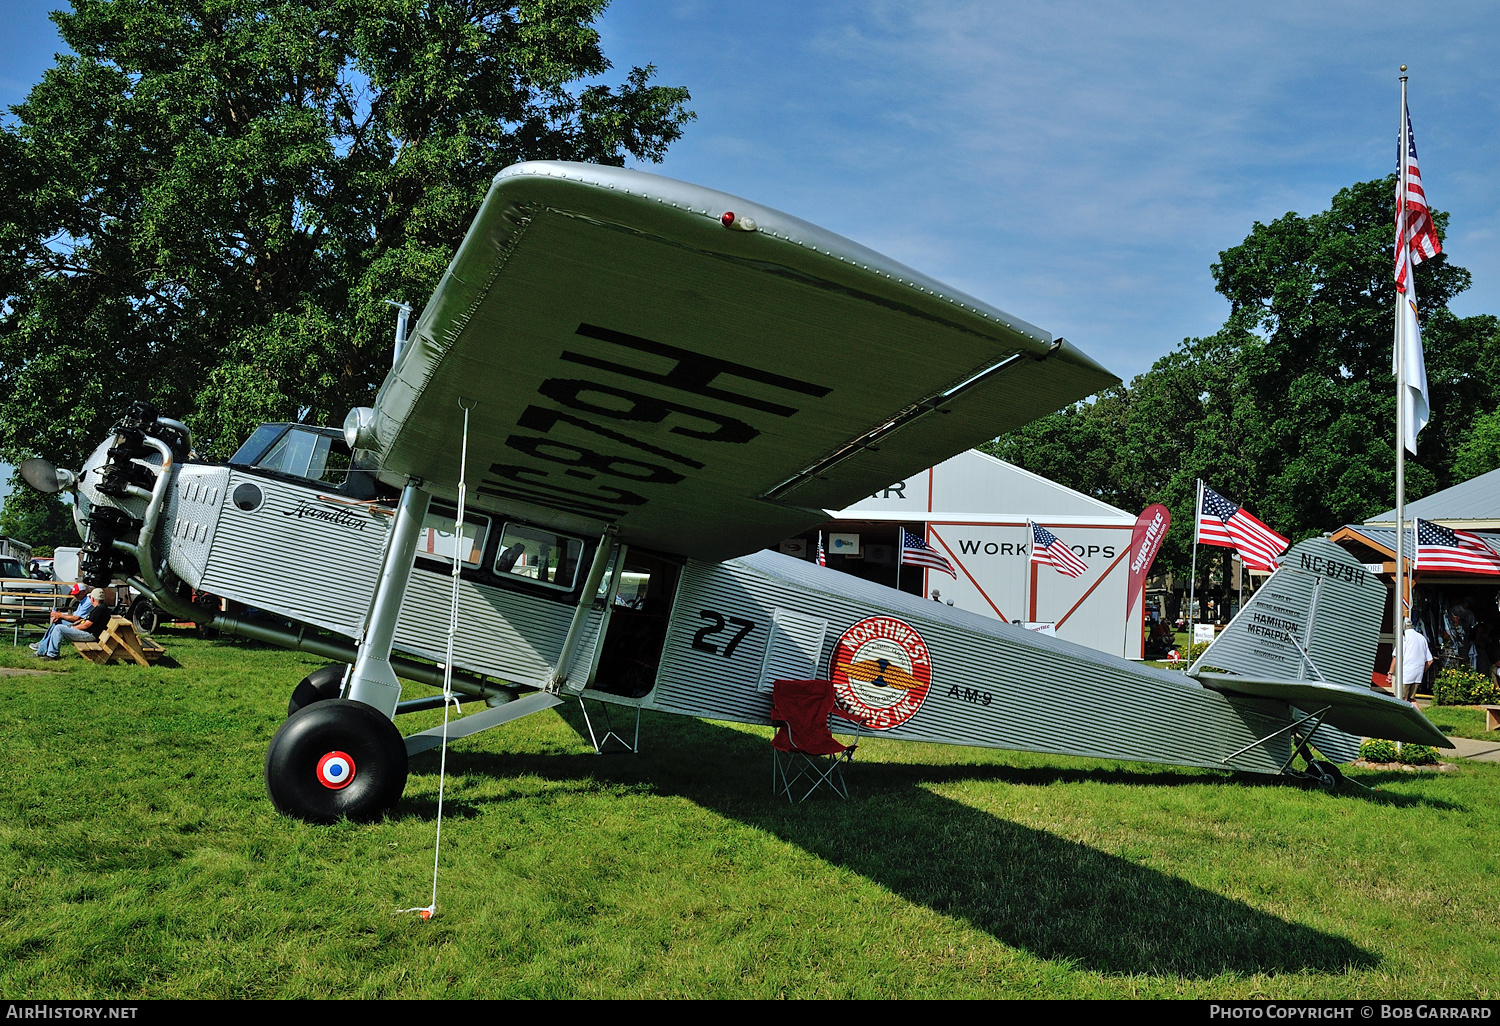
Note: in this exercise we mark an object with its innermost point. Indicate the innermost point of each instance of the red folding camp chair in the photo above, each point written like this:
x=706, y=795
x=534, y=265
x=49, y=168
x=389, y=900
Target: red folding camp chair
x=804, y=749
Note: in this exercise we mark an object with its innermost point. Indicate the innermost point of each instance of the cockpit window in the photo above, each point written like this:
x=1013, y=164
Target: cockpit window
x=317, y=455
x=299, y=452
x=256, y=445
x=336, y=465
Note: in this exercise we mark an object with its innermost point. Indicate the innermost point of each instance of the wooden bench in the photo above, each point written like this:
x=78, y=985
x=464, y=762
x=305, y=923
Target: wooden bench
x=31, y=606
x=118, y=643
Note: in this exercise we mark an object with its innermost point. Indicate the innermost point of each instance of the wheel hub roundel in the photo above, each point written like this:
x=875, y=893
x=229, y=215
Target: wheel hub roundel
x=335, y=770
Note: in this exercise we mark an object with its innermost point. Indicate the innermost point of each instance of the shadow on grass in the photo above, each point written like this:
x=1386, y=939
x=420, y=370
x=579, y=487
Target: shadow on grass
x=1059, y=899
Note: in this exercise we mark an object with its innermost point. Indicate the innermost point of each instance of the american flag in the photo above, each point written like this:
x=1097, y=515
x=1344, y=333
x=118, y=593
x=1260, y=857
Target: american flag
x=1050, y=550
x=822, y=556
x=1416, y=240
x=1416, y=235
x=1221, y=522
x=914, y=552
x=1439, y=548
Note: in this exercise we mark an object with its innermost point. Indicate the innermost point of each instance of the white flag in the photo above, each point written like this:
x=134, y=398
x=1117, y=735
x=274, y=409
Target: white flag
x=1409, y=353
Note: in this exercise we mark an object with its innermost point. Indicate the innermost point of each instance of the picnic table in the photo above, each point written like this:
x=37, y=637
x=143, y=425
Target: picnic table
x=118, y=643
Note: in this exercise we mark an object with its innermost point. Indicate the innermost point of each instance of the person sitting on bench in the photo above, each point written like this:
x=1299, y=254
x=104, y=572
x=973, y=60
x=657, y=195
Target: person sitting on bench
x=84, y=625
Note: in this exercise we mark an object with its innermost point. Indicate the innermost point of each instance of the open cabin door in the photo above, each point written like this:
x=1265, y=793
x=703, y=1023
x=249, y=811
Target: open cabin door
x=636, y=626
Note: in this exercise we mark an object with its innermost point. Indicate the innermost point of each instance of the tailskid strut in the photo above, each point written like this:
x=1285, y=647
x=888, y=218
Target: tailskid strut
x=633, y=746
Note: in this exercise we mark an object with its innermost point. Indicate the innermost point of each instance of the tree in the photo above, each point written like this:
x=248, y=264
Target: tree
x=1290, y=407
x=41, y=521
x=1480, y=451
x=209, y=201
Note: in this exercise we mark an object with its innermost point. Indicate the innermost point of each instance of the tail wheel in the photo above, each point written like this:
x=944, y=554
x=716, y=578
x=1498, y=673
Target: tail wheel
x=335, y=759
x=318, y=686
x=1328, y=775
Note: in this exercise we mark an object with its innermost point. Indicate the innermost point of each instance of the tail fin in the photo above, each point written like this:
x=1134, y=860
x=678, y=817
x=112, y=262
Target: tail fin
x=1315, y=619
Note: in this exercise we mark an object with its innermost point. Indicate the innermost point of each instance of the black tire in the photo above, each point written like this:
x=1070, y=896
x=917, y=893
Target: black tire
x=1331, y=776
x=318, y=686
x=346, y=736
x=144, y=616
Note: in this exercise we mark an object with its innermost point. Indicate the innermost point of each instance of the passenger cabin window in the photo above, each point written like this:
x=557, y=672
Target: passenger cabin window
x=438, y=539
x=539, y=556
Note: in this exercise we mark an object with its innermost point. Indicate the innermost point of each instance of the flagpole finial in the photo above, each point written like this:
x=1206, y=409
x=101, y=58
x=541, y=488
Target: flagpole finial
x=1403, y=67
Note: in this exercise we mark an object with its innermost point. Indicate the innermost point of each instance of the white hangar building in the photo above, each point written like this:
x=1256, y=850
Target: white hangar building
x=973, y=510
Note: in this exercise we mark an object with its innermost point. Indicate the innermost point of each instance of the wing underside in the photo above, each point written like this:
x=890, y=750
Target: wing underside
x=627, y=359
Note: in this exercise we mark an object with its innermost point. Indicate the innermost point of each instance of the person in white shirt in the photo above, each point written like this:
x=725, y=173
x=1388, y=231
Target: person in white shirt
x=1416, y=656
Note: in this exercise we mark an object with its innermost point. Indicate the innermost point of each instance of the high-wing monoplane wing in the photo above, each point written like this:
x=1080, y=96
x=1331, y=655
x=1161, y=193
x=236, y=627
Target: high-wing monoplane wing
x=706, y=373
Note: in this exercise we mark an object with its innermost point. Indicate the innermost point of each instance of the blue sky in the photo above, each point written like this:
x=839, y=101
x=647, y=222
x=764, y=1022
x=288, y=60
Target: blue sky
x=1078, y=164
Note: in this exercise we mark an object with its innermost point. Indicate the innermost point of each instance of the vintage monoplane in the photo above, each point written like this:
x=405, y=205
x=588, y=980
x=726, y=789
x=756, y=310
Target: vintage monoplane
x=637, y=385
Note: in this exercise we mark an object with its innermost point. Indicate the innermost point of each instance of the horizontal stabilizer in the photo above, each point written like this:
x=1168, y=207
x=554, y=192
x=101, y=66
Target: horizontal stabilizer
x=1361, y=711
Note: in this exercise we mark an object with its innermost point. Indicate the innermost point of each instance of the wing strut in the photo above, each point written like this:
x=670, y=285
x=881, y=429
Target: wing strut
x=372, y=681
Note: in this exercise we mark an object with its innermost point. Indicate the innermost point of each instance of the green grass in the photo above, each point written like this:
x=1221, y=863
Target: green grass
x=1461, y=721
x=142, y=859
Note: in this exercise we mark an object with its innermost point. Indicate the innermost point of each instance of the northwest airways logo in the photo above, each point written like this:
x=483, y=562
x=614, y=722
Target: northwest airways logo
x=881, y=671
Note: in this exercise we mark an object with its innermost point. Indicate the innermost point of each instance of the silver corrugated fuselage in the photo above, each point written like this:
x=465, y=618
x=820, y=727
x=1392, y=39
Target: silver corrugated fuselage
x=314, y=558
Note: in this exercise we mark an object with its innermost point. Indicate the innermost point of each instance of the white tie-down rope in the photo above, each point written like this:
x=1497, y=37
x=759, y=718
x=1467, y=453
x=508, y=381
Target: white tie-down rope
x=448, y=697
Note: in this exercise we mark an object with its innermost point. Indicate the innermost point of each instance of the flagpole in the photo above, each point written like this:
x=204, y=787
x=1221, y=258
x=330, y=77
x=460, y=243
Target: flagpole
x=1398, y=608
x=900, y=552
x=1193, y=574
x=1031, y=571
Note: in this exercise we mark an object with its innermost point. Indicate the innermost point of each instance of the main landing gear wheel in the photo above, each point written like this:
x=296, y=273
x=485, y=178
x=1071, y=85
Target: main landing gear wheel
x=144, y=616
x=334, y=759
x=318, y=686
